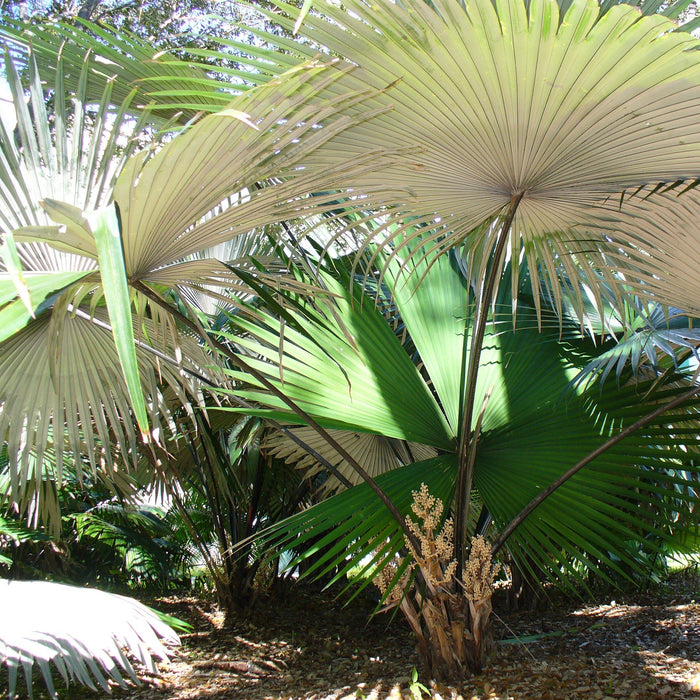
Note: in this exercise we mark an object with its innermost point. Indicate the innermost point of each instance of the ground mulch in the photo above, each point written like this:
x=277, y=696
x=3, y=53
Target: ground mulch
x=310, y=646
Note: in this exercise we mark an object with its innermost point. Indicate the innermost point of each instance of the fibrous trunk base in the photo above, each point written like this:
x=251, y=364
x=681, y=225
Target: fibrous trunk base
x=453, y=634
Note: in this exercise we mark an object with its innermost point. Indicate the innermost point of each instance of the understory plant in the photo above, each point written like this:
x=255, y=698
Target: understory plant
x=227, y=490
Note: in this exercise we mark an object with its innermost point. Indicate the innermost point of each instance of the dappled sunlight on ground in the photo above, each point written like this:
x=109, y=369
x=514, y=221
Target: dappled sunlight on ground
x=315, y=650
x=309, y=647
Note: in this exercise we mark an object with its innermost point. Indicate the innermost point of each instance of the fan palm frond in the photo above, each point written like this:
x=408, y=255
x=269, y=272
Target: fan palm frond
x=65, y=374
x=517, y=106
x=655, y=337
x=341, y=349
x=261, y=138
x=532, y=425
x=86, y=634
x=168, y=87
x=660, y=225
x=351, y=530
x=376, y=453
x=163, y=224
x=72, y=153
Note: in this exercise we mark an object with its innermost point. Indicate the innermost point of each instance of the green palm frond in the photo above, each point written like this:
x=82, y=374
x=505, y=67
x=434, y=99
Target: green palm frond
x=353, y=529
x=42, y=288
x=654, y=340
x=86, y=634
x=533, y=425
x=358, y=363
x=167, y=86
x=135, y=539
x=601, y=516
x=14, y=532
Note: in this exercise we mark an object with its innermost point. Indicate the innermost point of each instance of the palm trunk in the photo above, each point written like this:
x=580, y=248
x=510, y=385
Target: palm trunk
x=450, y=617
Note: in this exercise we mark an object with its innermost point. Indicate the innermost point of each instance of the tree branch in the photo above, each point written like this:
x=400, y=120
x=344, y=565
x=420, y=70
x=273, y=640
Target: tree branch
x=87, y=9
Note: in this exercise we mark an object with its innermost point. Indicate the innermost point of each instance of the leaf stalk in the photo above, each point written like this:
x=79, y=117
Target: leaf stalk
x=468, y=441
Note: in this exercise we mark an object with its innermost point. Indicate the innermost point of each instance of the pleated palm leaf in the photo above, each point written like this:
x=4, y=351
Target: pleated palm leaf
x=518, y=122
x=350, y=372
x=60, y=370
x=376, y=453
x=86, y=634
x=646, y=338
x=72, y=153
x=662, y=224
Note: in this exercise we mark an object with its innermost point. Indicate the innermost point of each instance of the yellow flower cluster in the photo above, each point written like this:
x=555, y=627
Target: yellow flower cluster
x=436, y=555
x=480, y=572
x=385, y=577
x=436, y=551
x=428, y=508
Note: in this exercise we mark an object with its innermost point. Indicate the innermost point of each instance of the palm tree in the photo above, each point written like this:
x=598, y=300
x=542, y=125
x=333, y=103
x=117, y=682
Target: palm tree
x=517, y=129
x=229, y=489
x=348, y=369
x=535, y=128
x=64, y=390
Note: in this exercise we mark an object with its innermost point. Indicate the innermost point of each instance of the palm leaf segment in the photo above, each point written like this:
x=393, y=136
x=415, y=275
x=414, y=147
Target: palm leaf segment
x=377, y=454
x=72, y=154
x=676, y=10
x=59, y=370
x=490, y=101
x=82, y=632
x=647, y=338
x=663, y=224
x=532, y=430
